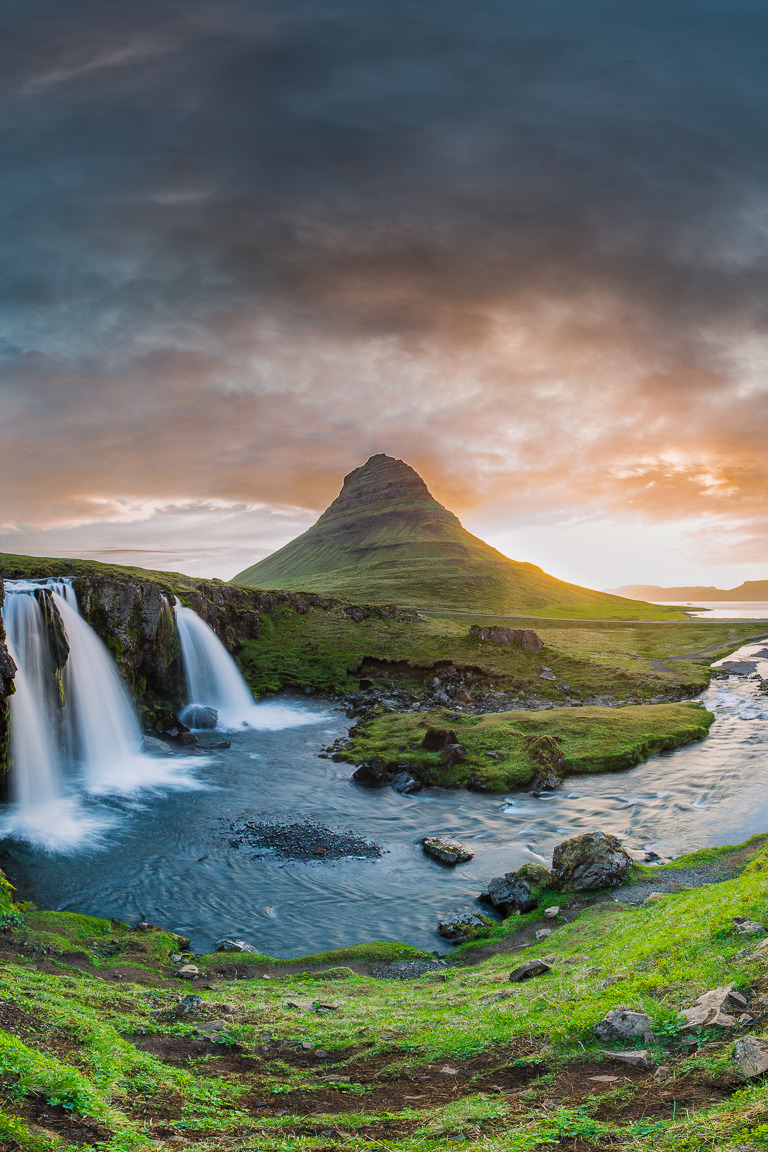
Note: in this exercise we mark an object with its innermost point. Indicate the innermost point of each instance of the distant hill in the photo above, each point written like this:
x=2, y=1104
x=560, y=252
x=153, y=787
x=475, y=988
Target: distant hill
x=749, y=590
x=385, y=539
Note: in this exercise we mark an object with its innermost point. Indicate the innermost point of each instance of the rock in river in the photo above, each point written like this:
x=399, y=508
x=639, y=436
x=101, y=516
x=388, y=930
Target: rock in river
x=445, y=850
x=201, y=716
x=586, y=863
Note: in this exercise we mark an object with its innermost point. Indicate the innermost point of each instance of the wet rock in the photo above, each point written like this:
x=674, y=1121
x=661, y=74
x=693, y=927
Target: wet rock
x=370, y=775
x=528, y=970
x=405, y=783
x=464, y=927
x=509, y=894
x=445, y=850
x=236, y=946
x=750, y=1056
x=745, y=927
x=589, y=862
x=624, y=1024
x=156, y=747
x=436, y=739
x=723, y=1006
x=200, y=716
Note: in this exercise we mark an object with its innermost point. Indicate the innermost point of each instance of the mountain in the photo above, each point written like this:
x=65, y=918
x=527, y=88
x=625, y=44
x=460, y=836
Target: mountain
x=749, y=590
x=385, y=539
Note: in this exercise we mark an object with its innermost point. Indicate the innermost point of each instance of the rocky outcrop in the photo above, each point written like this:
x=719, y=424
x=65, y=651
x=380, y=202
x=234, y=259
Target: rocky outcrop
x=507, y=637
x=7, y=673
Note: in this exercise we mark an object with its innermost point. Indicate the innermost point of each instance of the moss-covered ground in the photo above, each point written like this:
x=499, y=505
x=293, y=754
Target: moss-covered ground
x=96, y=1049
x=326, y=650
x=501, y=747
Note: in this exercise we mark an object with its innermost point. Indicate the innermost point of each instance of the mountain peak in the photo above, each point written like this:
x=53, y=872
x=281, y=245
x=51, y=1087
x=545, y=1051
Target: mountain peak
x=392, y=485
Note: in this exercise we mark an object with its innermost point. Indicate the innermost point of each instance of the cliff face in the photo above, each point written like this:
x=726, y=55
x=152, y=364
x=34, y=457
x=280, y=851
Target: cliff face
x=7, y=673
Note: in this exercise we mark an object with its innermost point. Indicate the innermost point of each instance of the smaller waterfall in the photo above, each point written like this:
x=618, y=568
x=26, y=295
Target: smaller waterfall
x=213, y=680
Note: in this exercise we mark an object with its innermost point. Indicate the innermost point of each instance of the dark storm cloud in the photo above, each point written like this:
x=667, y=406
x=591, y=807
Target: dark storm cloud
x=246, y=243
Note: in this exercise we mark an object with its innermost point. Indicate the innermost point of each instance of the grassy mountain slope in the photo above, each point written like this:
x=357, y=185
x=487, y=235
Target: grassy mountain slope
x=386, y=539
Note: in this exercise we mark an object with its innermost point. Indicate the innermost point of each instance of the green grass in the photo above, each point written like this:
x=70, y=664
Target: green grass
x=66, y=1042
x=591, y=740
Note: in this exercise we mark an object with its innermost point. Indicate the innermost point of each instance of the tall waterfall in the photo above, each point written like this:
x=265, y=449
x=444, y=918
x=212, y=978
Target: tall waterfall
x=74, y=731
x=213, y=680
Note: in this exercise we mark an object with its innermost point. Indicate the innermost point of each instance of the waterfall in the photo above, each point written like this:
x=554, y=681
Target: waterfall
x=213, y=681
x=74, y=730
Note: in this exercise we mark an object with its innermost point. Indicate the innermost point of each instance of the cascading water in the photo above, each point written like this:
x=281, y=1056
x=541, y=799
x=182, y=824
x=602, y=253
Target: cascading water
x=74, y=731
x=213, y=681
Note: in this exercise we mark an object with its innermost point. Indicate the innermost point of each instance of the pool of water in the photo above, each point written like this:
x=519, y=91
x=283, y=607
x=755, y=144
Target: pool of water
x=167, y=855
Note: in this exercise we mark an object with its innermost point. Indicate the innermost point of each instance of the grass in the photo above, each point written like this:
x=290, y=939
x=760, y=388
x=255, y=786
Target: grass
x=501, y=752
x=509, y=1068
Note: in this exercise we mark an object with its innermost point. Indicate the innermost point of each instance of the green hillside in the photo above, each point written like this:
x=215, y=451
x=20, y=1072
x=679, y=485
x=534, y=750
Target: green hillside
x=386, y=539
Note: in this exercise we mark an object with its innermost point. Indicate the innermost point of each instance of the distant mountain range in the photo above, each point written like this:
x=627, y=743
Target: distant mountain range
x=385, y=539
x=749, y=590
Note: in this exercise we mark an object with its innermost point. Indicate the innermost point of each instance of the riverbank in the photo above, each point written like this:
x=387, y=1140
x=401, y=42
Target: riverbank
x=102, y=1043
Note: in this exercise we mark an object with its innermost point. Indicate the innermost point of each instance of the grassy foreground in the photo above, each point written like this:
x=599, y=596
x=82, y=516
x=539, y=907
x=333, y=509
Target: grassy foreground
x=502, y=748
x=97, y=1051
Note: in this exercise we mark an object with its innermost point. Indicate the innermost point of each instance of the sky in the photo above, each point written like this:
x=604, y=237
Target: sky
x=521, y=245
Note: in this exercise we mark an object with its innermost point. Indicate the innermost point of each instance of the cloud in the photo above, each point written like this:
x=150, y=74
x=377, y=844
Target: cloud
x=247, y=245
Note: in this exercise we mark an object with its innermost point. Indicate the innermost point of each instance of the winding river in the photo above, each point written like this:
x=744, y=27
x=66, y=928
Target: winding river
x=169, y=855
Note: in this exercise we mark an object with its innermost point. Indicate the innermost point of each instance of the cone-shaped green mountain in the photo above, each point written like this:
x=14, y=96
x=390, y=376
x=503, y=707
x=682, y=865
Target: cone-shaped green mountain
x=385, y=539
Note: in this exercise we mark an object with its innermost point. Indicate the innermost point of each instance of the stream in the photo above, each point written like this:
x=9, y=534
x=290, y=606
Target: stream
x=170, y=855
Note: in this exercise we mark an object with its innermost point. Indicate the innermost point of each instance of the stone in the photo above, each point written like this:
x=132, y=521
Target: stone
x=509, y=894
x=723, y=1006
x=662, y=1073
x=588, y=862
x=542, y=934
x=744, y=927
x=405, y=783
x=536, y=875
x=445, y=850
x=654, y=898
x=624, y=1024
x=463, y=927
x=528, y=970
x=547, y=674
x=200, y=716
x=750, y=1055
x=436, y=739
x=156, y=747
x=370, y=775
x=188, y=972
x=552, y=912
x=532, y=642
x=229, y=945
x=454, y=754
x=635, y=1057
x=189, y=1004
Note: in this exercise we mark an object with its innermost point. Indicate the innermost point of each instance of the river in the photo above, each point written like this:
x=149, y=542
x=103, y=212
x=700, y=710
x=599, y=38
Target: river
x=167, y=855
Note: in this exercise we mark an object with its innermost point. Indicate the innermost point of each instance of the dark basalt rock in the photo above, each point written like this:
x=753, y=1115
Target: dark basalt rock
x=436, y=739
x=371, y=775
x=200, y=716
x=509, y=894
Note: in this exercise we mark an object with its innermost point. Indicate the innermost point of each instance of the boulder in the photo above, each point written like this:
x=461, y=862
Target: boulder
x=589, y=862
x=509, y=894
x=528, y=970
x=635, y=1057
x=236, y=946
x=721, y=1006
x=445, y=850
x=200, y=716
x=188, y=972
x=552, y=912
x=532, y=642
x=536, y=875
x=750, y=1055
x=371, y=775
x=624, y=1024
x=454, y=754
x=543, y=934
x=463, y=927
x=744, y=927
x=157, y=747
x=406, y=783
x=436, y=739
